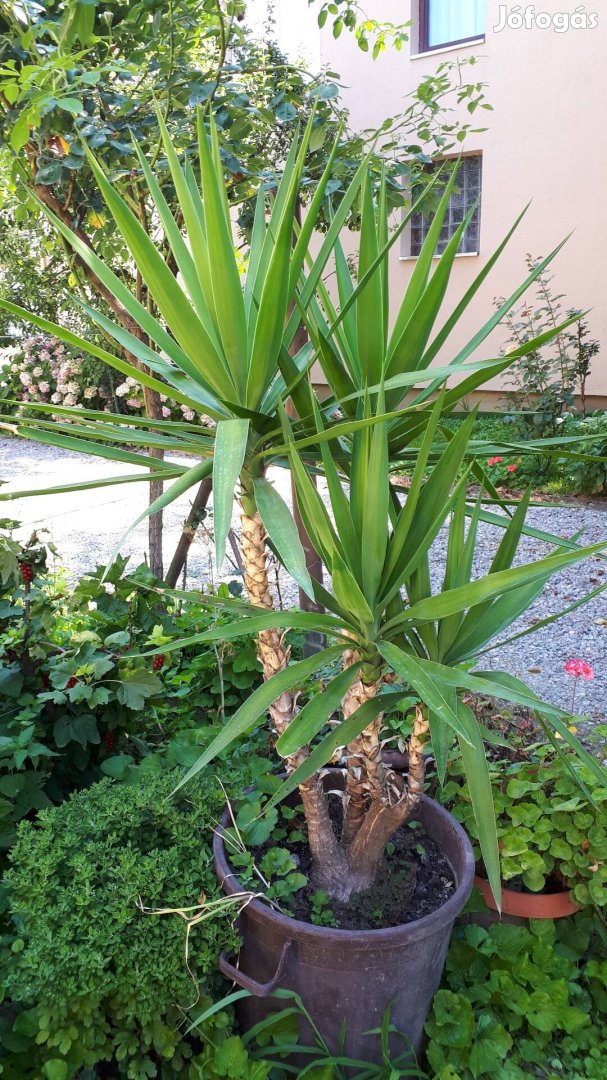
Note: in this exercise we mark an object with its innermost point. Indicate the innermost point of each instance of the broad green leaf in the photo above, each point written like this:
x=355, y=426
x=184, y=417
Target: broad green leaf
x=230, y=448
x=369, y=307
x=281, y=528
x=460, y=599
x=225, y=279
x=254, y=708
x=109, y=481
x=376, y=511
x=251, y=620
x=198, y=348
x=136, y=687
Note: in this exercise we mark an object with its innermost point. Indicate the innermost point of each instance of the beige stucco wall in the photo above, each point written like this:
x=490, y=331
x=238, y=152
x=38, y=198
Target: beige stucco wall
x=545, y=142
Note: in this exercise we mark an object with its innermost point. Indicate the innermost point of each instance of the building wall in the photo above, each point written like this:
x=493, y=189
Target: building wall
x=545, y=142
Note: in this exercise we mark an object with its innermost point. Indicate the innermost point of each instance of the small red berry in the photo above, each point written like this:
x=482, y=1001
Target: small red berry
x=158, y=662
x=27, y=574
x=109, y=741
x=71, y=682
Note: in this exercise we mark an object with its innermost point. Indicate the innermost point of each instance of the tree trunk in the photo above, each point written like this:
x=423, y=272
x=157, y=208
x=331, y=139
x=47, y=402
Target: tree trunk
x=365, y=774
x=189, y=531
x=386, y=815
x=274, y=657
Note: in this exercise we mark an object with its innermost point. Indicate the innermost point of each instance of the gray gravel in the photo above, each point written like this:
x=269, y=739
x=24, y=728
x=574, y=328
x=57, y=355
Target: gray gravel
x=85, y=527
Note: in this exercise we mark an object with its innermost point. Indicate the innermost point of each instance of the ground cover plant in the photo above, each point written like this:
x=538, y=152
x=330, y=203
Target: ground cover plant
x=521, y=1001
x=89, y=978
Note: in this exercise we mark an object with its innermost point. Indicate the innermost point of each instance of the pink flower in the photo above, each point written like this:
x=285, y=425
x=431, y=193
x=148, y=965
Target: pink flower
x=495, y=460
x=579, y=669
x=512, y=468
x=166, y=412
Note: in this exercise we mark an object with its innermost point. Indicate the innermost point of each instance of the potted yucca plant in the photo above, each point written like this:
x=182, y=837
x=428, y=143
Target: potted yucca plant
x=222, y=345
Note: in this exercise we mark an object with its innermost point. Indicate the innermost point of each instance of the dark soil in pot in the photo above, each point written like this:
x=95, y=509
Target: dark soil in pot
x=415, y=879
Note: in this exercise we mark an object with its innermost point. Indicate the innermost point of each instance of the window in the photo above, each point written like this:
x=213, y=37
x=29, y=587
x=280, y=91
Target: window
x=467, y=191
x=448, y=22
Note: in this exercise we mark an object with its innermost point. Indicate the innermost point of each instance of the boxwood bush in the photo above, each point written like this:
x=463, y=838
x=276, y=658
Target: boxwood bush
x=90, y=978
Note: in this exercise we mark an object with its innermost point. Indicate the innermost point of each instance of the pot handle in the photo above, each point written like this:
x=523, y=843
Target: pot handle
x=258, y=989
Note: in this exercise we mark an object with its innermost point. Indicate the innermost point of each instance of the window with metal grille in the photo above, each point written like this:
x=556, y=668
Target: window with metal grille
x=467, y=191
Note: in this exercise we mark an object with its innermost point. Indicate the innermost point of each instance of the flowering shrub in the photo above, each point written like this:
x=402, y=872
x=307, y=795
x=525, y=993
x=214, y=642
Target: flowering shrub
x=501, y=473
x=45, y=370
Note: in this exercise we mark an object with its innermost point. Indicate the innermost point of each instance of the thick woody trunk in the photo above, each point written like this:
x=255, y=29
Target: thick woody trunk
x=271, y=650
x=274, y=657
x=387, y=815
x=365, y=774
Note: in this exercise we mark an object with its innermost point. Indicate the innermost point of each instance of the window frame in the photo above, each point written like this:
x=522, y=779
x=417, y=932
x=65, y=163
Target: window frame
x=424, y=30
x=407, y=238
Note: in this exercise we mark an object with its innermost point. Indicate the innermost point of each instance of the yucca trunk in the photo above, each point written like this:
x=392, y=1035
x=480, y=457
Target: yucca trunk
x=364, y=770
x=376, y=802
x=386, y=814
x=274, y=656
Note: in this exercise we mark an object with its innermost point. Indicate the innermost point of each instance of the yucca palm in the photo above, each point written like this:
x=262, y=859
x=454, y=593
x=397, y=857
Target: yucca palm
x=220, y=342
x=387, y=619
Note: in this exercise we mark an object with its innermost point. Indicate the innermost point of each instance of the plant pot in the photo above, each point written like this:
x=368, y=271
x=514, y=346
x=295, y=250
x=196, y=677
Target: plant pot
x=349, y=977
x=529, y=905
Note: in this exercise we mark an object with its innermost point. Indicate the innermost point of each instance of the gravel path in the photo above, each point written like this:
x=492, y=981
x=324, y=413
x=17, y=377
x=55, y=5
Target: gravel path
x=86, y=526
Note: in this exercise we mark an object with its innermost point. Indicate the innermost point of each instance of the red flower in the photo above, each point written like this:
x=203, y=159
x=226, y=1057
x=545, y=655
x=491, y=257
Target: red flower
x=579, y=669
x=495, y=460
x=512, y=468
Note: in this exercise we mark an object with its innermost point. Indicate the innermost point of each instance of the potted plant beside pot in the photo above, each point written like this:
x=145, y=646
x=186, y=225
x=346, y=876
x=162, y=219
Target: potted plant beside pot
x=552, y=832
x=377, y=552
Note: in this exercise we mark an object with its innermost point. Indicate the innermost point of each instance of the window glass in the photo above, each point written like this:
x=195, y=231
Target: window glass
x=467, y=191
x=454, y=20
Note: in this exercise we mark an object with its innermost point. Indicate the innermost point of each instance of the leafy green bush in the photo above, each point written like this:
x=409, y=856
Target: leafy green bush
x=547, y=828
x=95, y=978
x=590, y=476
x=522, y=1001
x=75, y=691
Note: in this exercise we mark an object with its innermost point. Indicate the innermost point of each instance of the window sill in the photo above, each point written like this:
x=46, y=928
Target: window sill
x=460, y=255
x=448, y=48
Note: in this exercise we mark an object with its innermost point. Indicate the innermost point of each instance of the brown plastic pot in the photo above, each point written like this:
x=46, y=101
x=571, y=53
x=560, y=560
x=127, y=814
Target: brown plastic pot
x=349, y=977
x=529, y=905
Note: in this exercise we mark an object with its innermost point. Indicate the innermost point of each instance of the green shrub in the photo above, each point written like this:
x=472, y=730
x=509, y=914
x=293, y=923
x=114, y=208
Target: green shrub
x=96, y=979
x=590, y=476
x=75, y=691
x=549, y=831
